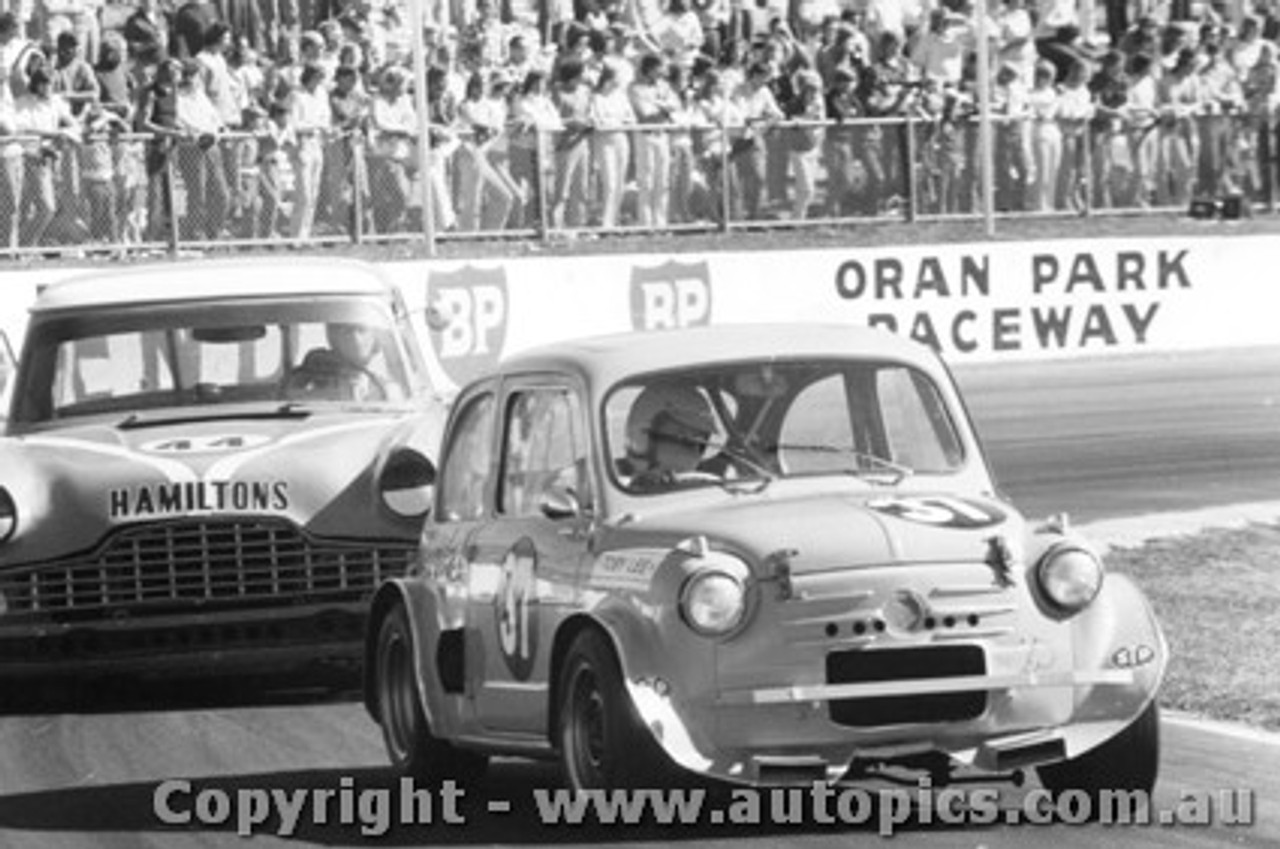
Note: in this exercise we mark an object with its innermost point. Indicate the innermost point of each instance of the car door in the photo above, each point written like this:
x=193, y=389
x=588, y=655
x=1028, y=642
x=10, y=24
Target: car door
x=464, y=499
x=523, y=575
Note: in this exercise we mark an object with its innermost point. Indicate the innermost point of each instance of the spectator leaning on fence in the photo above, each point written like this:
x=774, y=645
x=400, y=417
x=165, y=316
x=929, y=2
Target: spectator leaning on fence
x=47, y=119
x=612, y=112
x=654, y=103
x=312, y=119
x=200, y=158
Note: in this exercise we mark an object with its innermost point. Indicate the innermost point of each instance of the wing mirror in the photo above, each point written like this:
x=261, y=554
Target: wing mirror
x=560, y=503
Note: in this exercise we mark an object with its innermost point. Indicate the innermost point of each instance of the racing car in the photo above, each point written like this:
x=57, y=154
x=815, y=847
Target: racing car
x=757, y=555
x=207, y=468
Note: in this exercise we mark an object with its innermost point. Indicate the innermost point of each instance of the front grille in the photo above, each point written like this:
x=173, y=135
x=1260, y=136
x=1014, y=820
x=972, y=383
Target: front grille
x=216, y=564
x=879, y=665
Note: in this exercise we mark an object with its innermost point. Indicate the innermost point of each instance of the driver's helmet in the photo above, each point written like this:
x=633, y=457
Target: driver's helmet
x=676, y=410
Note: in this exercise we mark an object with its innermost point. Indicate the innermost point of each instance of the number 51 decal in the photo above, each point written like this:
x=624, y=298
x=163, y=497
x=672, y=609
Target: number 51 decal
x=944, y=511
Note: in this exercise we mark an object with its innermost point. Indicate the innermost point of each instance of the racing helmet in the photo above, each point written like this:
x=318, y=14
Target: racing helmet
x=675, y=409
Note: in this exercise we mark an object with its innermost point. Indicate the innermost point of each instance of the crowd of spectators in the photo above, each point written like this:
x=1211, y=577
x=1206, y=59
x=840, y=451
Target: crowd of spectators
x=241, y=119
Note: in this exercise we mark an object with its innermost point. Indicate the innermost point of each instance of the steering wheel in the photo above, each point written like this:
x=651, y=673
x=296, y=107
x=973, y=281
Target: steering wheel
x=321, y=380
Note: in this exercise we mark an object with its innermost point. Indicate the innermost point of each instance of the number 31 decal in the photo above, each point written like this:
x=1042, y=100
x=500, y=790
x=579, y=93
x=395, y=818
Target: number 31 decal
x=517, y=609
x=941, y=510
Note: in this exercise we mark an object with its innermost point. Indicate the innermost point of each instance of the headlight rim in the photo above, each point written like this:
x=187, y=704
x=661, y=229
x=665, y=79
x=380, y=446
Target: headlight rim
x=692, y=581
x=1053, y=554
x=402, y=455
x=7, y=500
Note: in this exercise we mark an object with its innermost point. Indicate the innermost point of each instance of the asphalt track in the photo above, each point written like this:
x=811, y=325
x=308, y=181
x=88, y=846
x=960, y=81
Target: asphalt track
x=1114, y=438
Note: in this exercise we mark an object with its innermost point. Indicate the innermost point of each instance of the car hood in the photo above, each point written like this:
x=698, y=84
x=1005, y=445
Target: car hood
x=848, y=530
x=72, y=484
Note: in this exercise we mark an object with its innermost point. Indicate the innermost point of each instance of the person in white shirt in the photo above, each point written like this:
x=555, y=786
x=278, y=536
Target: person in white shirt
x=1015, y=169
x=487, y=195
x=394, y=127
x=200, y=157
x=536, y=121
x=10, y=176
x=611, y=113
x=759, y=108
x=654, y=103
x=312, y=118
x=47, y=118
x=1075, y=112
x=1143, y=114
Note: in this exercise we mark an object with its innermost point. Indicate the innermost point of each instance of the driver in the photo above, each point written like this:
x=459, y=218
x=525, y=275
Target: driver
x=343, y=371
x=668, y=429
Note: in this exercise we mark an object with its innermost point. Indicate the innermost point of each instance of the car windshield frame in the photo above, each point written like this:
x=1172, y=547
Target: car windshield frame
x=954, y=450
x=50, y=332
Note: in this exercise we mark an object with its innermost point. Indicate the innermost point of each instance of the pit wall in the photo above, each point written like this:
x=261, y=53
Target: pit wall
x=984, y=302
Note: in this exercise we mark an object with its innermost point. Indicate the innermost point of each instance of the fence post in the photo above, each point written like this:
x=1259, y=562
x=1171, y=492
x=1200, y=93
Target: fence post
x=170, y=199
x=359, y=178
x=725, y=194
x=910, y=161
x=1087, y=167
x=540, y=181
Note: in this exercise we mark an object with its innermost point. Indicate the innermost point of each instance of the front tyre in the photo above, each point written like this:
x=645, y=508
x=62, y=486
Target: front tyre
x=414, y=750
x=602, y=743
x=1128, y=761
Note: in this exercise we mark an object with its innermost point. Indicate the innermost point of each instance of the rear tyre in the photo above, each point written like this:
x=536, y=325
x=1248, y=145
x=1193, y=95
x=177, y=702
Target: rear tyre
x=414, y=750
x=603, y=744
x=1130, y=761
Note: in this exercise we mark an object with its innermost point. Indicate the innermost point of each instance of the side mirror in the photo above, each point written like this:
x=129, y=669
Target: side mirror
x=559, y=503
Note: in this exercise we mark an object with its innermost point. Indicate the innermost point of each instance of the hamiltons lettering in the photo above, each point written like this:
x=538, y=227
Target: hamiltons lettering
x=198, y=497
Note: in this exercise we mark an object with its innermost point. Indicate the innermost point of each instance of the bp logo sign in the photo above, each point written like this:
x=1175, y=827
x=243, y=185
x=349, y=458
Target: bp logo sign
x=467, y=318
x=671, y=295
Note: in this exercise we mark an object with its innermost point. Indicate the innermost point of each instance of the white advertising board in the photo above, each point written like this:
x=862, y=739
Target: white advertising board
x=984, y=302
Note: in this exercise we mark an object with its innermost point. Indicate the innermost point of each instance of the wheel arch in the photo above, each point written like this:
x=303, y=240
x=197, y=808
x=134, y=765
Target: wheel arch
x=565, y=635
x=388, y=596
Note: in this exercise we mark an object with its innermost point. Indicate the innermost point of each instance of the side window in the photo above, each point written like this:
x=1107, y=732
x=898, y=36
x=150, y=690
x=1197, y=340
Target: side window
x=545, y=449
x=467, y=463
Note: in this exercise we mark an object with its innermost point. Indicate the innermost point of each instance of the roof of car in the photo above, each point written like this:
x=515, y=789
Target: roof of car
x=185, y=282
x=607, y=359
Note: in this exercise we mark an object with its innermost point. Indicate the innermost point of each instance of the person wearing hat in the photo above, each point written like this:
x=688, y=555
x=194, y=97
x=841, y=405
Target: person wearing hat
x=190, y=26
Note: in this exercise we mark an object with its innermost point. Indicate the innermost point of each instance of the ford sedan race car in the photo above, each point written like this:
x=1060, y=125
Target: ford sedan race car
x=761, y=554
x=208, y=468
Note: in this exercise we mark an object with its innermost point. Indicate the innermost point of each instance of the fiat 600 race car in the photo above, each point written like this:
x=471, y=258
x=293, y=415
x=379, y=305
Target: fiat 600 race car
x=208, y=468
x=762, y=554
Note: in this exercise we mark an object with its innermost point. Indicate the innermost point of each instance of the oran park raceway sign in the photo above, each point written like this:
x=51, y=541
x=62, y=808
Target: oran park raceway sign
x=1021, y=300
x=1070, y=302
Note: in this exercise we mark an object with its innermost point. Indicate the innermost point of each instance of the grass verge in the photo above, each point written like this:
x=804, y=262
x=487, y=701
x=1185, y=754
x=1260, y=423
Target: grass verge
x=1217, y=596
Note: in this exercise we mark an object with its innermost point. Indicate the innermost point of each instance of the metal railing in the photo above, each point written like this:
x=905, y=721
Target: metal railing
x=129, y=192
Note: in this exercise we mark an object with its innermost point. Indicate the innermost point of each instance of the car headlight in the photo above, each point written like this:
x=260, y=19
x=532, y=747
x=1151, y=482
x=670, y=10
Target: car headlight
x=1070, y=577
x=713, y=602
x=8, y=515
x=406, y=483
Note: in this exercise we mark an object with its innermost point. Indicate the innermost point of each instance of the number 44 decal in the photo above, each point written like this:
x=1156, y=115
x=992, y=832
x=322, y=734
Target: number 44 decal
x=944, y=511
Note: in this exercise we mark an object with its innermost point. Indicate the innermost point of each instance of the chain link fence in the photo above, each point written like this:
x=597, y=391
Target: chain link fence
x=127, y=192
